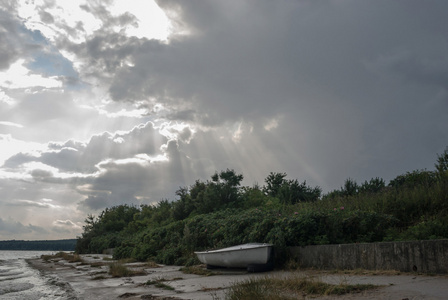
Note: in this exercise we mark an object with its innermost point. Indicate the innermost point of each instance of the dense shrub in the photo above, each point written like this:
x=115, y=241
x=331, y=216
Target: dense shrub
x=284, y=213
x=230, y=227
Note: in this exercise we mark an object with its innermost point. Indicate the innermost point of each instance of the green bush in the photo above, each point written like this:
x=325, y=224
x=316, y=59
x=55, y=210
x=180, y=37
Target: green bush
x=426, y=230
x=412, y=206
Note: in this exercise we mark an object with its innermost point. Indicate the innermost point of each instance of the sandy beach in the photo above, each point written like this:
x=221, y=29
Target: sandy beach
x=90, y=280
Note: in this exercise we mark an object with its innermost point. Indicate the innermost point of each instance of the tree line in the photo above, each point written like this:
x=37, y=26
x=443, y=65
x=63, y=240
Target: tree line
x=42, y=245
x=219, y=212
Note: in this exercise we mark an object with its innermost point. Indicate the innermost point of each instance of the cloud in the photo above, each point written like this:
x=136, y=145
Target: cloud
x=104, y=111
x=11, y=227
x=30, y=203
x=116, y=167
x=79, y=157
x=5, y=98
x=37, y=229
x=11, y=35
x=5, y=123
x=413, y=67
x=18, y=76
x=96, y=203
x=66, y=223
x=66, y=227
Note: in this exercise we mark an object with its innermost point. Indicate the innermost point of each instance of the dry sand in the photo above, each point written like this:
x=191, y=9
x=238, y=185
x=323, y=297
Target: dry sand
x=80, y=283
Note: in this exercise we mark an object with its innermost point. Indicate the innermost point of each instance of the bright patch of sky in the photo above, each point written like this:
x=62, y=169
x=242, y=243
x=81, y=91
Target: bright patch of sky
x=172, y=130
x=48, y=22
x=53, y=20
x=70, y=14
x=52, y=64
x=152, y=22
x=11, y=146
x=19, y=76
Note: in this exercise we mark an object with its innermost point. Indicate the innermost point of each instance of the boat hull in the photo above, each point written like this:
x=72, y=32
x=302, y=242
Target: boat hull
x=241, y=256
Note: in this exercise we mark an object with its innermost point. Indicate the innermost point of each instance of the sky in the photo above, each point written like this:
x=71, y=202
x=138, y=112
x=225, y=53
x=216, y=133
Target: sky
x=125, y=101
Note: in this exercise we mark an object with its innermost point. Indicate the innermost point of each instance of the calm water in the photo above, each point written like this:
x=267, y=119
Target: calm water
x=19, y=281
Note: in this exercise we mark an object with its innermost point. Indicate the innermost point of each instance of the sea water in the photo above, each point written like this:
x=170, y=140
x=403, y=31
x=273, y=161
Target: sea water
x=19, y=281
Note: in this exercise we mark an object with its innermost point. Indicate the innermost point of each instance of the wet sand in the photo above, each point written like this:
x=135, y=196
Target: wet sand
x=87, y=281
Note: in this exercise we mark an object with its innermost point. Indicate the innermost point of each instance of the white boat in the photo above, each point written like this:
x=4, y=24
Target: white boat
x=253, y=256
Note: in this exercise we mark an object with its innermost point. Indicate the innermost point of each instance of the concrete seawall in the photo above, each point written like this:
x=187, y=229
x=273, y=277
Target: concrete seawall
x=420, y=256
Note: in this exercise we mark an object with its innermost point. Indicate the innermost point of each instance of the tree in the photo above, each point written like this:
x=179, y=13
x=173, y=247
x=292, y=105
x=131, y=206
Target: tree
x=414, y=179
x=442, y=164
x=90, y=223
x=290, y=191
x=183, y=207
x=253, y=196
x=350, y=187
x=375, y=185
x=274, y=183
x=162, y=213
x=116, y=218
x=226, y=186
x=300, y=192
x=197, y=194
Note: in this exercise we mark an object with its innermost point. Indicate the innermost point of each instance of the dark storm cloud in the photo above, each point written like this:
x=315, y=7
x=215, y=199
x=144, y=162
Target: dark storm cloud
x=253, y=59
x=414, y=68
x=338, y=77
x=321, y=90
x=359, y=84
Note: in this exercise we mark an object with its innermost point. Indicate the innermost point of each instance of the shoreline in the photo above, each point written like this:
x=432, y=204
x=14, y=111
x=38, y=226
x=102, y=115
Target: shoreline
x=47, y=272
x=90, y=280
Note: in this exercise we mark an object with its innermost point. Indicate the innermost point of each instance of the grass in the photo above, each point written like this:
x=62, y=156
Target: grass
x=160, y=284
x=127, y=260
x=97, y=264
x=292, y=265
x=70, y=257
x=120, y=270
x=108, y=258
x=152, y=264
x=273, y=288
x=164, y=286
x=197, y=270
x=149, y=264
x=366, y=272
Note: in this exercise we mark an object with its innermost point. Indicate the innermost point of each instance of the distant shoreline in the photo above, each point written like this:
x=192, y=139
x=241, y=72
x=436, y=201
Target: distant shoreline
x=39, y=245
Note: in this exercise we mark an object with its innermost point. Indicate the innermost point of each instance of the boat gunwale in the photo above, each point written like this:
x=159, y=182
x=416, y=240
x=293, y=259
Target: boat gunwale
x=229, y=249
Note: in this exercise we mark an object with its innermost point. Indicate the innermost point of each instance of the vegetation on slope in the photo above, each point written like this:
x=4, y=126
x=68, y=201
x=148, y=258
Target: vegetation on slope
x=219, y=213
